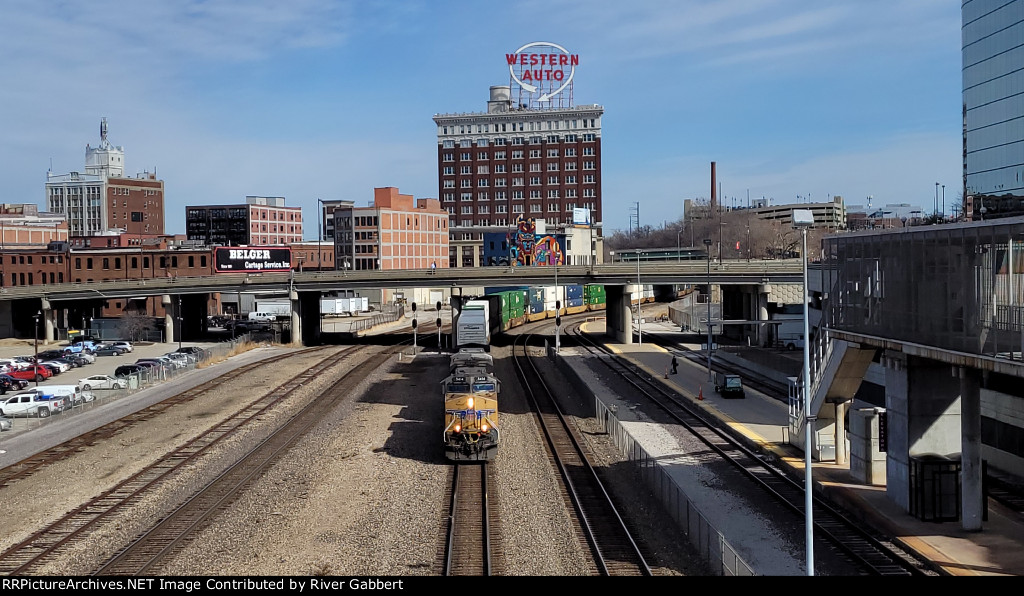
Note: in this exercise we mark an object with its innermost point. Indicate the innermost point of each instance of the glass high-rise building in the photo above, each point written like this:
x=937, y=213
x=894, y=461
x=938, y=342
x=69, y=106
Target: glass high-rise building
x=993, y=109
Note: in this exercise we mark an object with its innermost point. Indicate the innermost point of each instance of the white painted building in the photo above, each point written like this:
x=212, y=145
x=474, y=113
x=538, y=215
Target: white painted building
x=80, y=196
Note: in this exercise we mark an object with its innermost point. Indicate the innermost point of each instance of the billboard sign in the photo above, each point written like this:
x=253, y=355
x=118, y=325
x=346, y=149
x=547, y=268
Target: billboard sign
x=252, y=259
x=542, y=66
x=581, y=216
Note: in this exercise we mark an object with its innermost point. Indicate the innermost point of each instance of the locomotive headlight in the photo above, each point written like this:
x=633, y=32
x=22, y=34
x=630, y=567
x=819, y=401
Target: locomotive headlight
x=458, y=428
x=483, y=427
x=470, y=403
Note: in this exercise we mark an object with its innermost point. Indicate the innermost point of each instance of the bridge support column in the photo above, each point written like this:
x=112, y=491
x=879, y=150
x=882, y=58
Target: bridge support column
x=761, y=307
x=619, y=314
x=49, y=322
x=971, y=495
x=296, y=315
x=840, y=437
x=169, y=330
x=897, y=460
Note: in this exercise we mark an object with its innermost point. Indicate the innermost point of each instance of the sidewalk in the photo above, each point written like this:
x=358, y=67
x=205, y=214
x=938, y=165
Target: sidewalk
x=998, y=549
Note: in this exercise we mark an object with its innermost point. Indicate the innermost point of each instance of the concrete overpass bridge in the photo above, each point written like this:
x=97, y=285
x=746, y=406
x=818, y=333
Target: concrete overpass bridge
x=18, y=304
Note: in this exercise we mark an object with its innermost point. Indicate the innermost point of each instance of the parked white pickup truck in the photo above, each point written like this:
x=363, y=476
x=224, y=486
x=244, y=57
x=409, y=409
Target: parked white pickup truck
x=32, y=403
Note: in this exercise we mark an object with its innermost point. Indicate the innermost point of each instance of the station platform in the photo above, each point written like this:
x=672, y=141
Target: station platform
x=996, y=550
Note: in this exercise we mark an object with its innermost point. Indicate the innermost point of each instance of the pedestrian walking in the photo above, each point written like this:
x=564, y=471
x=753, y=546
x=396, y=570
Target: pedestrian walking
x=675, y=364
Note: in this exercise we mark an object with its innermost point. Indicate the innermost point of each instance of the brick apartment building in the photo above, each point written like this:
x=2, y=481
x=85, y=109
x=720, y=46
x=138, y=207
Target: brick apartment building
x=395, y=232
x=150, y=259
x=260, y=221
x=512, y=161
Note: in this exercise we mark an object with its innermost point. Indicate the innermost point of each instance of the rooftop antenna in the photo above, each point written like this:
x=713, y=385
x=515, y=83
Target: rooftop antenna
x=104, y=143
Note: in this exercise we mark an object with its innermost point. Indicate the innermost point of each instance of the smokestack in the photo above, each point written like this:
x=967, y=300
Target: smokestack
x=714, y=197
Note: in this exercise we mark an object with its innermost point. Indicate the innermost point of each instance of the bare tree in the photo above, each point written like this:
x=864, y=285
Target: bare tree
x=134, y=325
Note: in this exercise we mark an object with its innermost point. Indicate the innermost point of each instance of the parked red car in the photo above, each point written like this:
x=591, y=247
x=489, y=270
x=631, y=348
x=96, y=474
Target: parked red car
x=32, y=373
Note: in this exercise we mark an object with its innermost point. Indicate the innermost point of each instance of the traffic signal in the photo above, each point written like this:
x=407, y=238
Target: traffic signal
x=438, y=322
x=438, y=305
x=414, y=323
x=413, y=307
x=558, y=321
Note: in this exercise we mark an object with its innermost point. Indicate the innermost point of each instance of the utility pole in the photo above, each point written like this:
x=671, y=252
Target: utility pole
x=707, y=246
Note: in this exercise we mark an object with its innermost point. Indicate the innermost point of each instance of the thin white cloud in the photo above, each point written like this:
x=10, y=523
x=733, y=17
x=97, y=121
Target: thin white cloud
x=709, y=34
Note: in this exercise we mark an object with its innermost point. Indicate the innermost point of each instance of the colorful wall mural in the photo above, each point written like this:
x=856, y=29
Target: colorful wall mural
x=523, y=247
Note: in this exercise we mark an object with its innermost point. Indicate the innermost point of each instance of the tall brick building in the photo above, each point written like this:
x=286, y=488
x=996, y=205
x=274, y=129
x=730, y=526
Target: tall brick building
x=513, y=161
x=395, y=231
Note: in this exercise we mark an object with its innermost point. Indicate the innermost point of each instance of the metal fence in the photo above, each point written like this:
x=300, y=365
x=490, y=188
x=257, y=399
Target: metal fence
x=135, y=383
x=712, y=546
x=103, y=334
x=390, y=315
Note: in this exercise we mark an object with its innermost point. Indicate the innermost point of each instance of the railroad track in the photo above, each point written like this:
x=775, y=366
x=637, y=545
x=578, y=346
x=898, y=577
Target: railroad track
x=870, y=553
x=172, y=533
x=611, y=543
x=471, y=521
x=30, y=465
x=48, y=544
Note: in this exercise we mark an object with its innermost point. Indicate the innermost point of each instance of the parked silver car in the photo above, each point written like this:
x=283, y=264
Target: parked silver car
x=6, y=423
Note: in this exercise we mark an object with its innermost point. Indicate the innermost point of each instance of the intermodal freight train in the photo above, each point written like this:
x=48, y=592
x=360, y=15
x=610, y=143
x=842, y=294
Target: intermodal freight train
x=471, y=431
x=501, y=309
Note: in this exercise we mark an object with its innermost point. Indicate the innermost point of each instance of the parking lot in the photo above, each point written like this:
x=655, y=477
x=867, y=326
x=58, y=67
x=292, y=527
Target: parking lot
x=104, y=365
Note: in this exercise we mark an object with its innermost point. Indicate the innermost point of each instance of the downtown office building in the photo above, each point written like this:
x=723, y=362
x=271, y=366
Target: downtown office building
x=993, y=107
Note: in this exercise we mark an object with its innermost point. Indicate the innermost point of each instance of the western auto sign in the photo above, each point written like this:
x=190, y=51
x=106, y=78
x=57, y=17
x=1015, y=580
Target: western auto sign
x=252, y=259
x=542, y=64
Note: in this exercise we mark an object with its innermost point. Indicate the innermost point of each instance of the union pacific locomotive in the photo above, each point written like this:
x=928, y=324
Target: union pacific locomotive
x=471, y=431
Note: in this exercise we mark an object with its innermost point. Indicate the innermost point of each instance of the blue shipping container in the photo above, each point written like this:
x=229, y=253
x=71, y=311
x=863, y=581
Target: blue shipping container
x=573, y=292
x=536, y=300
x=574, y=302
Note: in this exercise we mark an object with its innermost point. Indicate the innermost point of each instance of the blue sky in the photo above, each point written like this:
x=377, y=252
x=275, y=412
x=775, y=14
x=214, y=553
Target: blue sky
x=312, y=99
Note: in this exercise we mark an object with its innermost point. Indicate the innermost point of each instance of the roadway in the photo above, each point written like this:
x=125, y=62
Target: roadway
x=663, y=273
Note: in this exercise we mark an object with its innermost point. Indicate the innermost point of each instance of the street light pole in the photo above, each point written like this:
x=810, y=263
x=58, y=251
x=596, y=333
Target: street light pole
x=558, y=312
x=748, y=239
x=707, y=246
x=935, y=211
x=943, y=202
x=803, y=219
x=179, y=323
x=679, y=247
x=319, y=236
x=35, y=357
x=639, y=302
